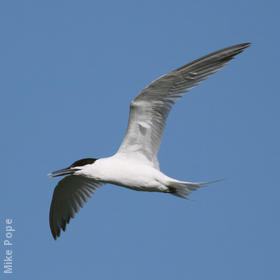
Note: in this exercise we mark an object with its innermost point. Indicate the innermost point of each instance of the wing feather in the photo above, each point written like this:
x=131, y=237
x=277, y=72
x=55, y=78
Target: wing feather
x=150, y=109
x=70, y=194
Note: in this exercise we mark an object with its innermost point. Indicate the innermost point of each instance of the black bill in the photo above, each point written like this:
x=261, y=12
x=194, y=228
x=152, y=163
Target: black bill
x=62, y=172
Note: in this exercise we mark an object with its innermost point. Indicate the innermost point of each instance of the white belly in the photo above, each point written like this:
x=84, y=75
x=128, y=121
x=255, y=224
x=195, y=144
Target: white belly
x=128, y=173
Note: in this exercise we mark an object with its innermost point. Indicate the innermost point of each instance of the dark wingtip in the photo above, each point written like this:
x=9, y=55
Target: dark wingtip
x=54, y=235
x=230, y=52
x=236, y=49
x=243, y=46
x=246, y=45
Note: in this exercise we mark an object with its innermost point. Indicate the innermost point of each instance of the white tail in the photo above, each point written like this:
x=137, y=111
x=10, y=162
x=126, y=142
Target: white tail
x=183, y=189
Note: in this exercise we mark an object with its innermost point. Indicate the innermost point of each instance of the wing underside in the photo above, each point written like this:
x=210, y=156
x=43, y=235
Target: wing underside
x=150, y=109
x=70, y=194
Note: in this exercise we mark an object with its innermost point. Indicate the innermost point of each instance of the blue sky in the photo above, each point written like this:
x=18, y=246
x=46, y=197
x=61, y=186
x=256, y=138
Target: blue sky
x=69, y=70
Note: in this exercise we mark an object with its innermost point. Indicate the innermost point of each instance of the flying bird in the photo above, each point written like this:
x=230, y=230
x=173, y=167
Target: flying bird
x=135, y=165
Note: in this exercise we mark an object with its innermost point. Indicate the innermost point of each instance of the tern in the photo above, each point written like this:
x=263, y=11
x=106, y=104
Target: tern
x=135, y=165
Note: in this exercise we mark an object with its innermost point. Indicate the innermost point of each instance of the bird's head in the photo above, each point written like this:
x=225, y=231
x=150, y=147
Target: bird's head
x=74, y=167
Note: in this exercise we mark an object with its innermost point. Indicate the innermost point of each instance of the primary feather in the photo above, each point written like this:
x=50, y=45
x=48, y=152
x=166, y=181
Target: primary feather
x=149, y=110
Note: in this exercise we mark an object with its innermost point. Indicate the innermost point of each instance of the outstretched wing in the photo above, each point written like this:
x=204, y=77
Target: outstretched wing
x=149, y=110
x=70, y=194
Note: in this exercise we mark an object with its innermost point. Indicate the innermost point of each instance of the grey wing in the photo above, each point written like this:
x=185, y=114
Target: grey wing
x=70, y=194
x=149, y=110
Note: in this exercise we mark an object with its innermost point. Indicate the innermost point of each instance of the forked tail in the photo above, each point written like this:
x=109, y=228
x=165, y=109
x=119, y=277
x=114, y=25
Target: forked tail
x=183, y=189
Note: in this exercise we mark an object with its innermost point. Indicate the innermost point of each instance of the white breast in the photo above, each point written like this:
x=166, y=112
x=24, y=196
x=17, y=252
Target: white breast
x=126, y=172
